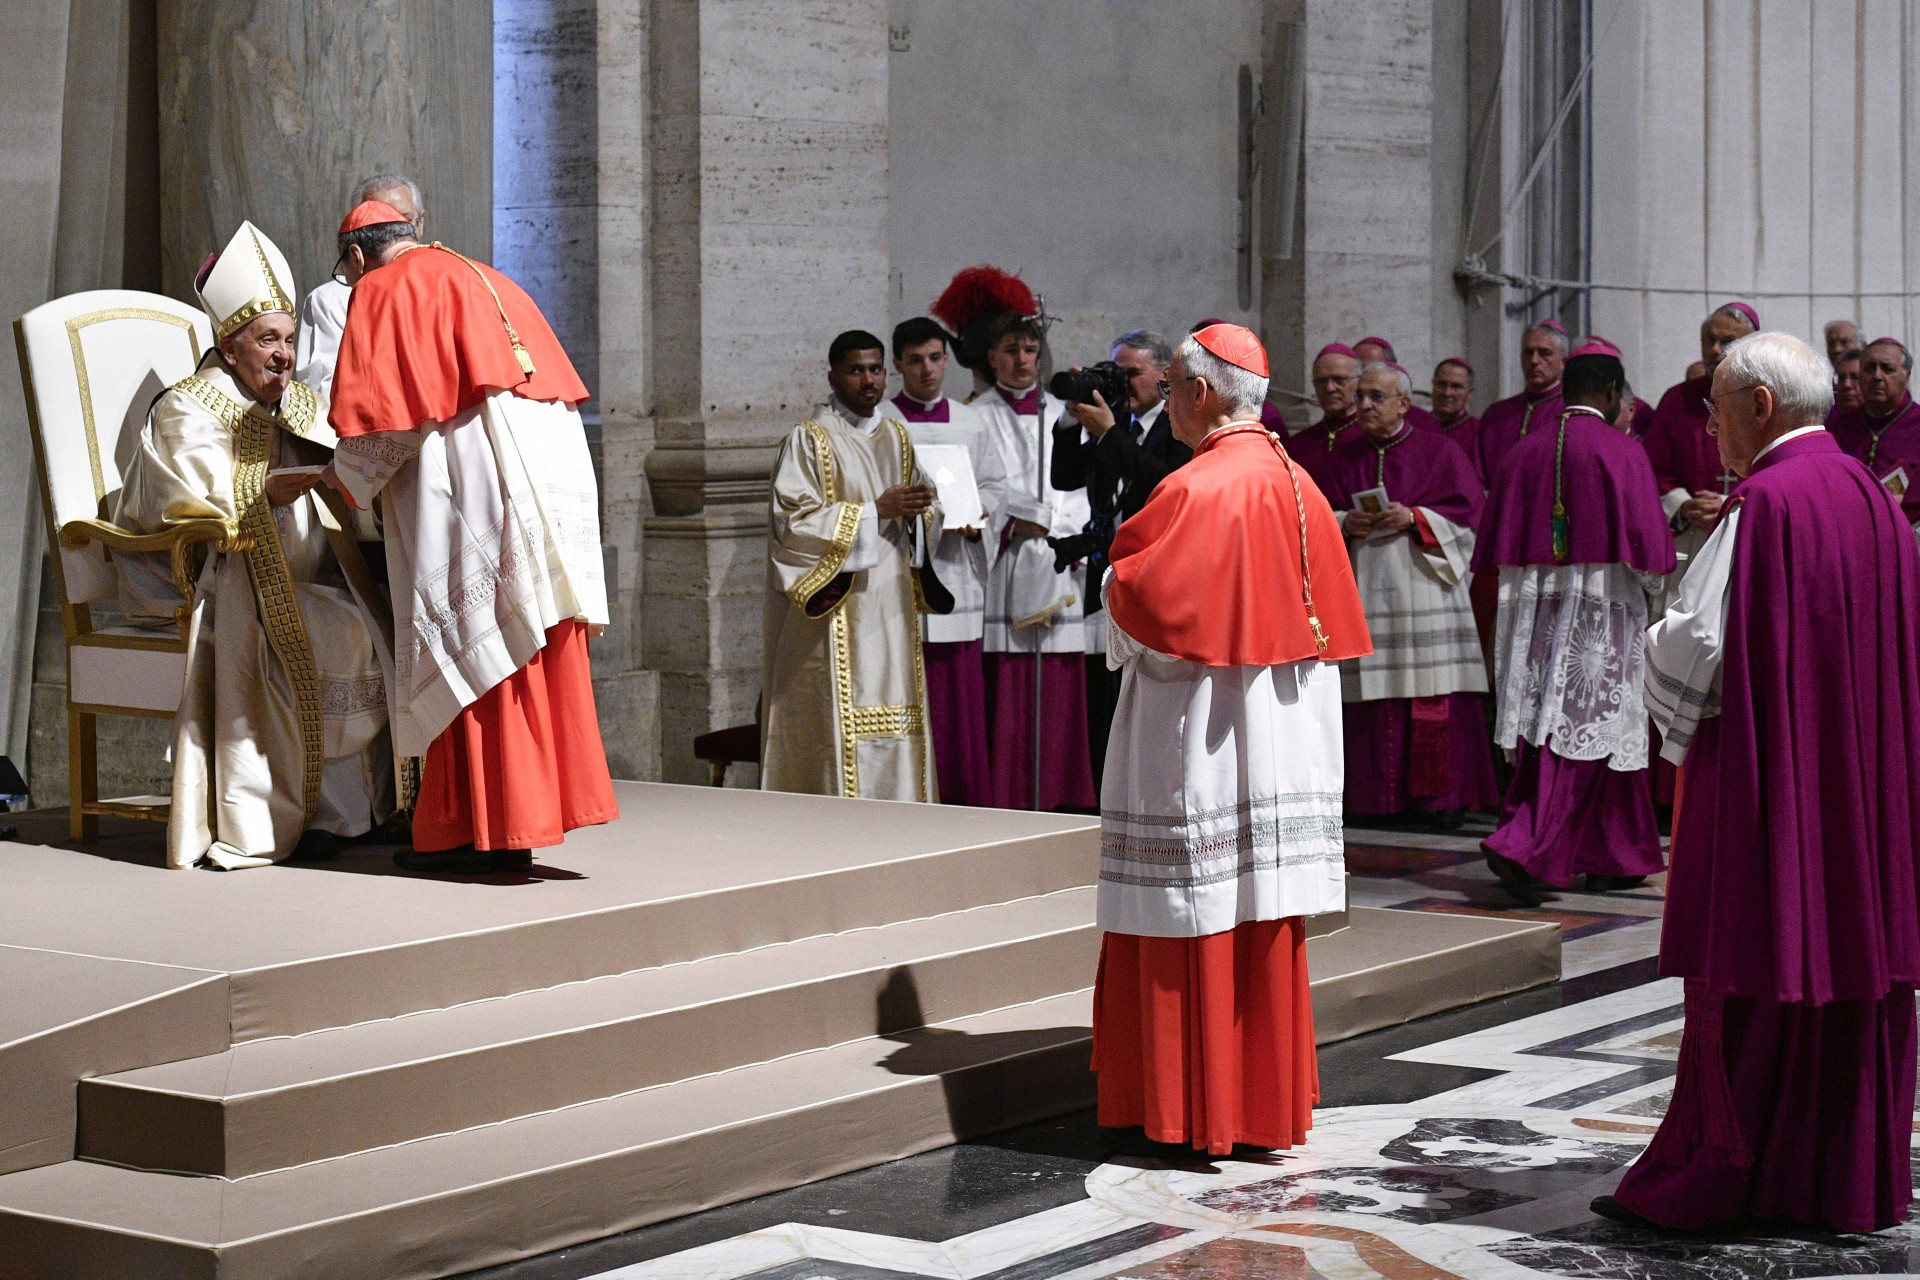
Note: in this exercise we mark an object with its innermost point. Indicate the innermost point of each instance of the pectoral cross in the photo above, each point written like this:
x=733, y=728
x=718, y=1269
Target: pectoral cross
x=1727, y=480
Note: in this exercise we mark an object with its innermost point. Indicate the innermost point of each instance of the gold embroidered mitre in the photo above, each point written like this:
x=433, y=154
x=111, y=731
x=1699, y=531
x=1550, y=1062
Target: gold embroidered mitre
x=248, y=278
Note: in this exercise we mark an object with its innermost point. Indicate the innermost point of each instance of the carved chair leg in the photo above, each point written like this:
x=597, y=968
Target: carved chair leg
x=83, y=775
x=717, y=773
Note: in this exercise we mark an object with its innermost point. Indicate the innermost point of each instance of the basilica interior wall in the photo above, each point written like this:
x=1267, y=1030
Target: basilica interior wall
x=1768, y=152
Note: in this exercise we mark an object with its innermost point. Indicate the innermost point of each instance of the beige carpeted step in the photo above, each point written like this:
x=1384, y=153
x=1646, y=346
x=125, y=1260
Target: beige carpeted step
x=449, y=1204
x=271, y=1104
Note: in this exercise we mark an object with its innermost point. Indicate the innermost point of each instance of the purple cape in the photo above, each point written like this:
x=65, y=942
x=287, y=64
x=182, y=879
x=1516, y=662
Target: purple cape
x=1422, y=468
x=1463, y=431
x=1684, y=456
x=1508, y=422
x=1794, y=859
x=1613, y=511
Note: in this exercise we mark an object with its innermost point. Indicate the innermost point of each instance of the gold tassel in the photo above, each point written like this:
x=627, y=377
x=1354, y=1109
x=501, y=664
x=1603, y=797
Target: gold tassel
x=526, y=361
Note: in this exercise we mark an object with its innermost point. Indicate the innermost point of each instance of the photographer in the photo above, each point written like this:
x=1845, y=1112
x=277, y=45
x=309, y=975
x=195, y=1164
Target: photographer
x=1117, y=443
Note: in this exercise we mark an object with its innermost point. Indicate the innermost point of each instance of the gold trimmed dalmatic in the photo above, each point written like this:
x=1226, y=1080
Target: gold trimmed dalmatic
x=282, y=721
x=845, y=700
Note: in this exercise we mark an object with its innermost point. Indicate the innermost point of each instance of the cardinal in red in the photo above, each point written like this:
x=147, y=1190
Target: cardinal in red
x=456, y=411
x=1230, y=599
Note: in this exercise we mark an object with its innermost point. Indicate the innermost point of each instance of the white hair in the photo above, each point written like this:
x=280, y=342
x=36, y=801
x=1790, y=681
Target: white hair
x=1559, y=338
x=369, y=187
x=1400, y=378
x=1241, y=391
x=1906, y=356
x=1827, y=332
x=1800, y=378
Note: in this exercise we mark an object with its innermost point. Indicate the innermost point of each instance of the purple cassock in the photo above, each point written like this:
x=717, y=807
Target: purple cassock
x=1564, y=817
x=1426, y=754
x=1066, y=769
x=1791, y=909
x=1684, y=456
x=1885, y=445
x=956, y=681
x=1463, y=431
x=1508, y=422
x=1316, y=447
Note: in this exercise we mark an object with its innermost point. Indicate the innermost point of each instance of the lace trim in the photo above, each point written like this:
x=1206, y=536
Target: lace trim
x=1571, y=653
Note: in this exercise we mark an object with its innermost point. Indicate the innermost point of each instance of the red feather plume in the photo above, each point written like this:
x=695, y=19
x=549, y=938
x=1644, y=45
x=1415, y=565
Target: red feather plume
x=979, y=291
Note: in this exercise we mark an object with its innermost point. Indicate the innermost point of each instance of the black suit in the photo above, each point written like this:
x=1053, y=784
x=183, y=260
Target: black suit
x=1119, y=471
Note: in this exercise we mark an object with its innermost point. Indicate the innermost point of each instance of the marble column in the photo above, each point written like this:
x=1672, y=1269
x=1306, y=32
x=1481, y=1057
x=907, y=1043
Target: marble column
x=755, y=231
x=272, y=111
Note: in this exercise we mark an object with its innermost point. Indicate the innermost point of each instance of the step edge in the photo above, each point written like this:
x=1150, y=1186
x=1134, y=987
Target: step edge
x=113, y=1081
x=631, y=1093
x=664, y=903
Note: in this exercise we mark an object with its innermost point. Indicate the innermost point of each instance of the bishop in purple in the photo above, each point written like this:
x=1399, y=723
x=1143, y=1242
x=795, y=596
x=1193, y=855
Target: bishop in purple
x=1416, y=730
x=1884, y=430
x=1452, y=388
x=1786, y=679
x=1575, y=532
x=1336, y=371
x=1543, y=352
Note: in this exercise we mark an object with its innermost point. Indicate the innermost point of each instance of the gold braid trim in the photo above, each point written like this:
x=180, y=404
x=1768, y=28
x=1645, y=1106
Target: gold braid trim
x=267, y=563
x=913, y=719
x=513, y=335
x=845, y=529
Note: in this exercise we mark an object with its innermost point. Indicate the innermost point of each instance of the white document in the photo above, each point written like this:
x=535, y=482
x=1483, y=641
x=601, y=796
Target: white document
x=949, y=468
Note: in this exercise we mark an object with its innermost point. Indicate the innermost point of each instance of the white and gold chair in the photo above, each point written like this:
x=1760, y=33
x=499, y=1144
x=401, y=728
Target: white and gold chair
x=93, y=363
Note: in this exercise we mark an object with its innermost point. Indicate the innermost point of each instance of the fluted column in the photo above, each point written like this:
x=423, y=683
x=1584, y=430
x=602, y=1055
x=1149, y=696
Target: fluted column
x=271, y=110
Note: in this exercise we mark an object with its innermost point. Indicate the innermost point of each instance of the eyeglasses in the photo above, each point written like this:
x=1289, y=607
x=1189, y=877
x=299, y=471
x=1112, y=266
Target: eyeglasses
x=1713, y=404
x=1164, y=387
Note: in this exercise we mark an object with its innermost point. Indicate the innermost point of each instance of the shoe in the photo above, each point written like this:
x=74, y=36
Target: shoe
x=315, y=846
x=463, y=861
x=1447, y=819
x=510, y=859
x=1608, y=1207
x=1613, y=884
x=1520, y=886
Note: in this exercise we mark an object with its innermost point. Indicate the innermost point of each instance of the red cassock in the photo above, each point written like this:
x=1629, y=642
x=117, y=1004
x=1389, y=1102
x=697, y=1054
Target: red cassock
x=1208, y=1041
x=426, y=340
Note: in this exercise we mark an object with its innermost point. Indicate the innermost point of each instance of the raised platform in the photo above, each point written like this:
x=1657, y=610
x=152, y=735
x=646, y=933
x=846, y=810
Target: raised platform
x=338, y=1072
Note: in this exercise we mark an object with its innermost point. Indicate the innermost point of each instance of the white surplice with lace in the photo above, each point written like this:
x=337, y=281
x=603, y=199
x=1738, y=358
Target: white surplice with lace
x=1569, y=658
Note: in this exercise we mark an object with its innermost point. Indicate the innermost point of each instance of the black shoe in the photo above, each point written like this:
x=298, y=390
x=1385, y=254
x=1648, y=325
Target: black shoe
x=463, y=861
x=510, y=859
x=316, y=846
x=1447, y=819
x=1613, y=884
x=1520, y=886
x=1608, y=1207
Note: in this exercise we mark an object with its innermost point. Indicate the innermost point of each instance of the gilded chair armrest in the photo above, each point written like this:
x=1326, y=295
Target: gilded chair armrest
x=218, y=534
x=181, y=541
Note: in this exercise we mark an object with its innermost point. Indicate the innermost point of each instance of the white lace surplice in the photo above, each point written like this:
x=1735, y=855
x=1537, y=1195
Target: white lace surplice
x=1221, y=798
x=1569, y=652
x=1420, y=615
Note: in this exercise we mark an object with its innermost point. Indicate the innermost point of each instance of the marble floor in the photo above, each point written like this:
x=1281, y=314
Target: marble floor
x=1464, y=1145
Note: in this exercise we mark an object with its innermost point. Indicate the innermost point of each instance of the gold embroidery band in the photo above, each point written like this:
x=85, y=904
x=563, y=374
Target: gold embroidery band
x=845, y=529
x=272, y=580
x=905, y=721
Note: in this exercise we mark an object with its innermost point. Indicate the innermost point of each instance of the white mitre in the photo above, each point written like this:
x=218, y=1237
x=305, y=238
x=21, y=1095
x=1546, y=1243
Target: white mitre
x=248, y=278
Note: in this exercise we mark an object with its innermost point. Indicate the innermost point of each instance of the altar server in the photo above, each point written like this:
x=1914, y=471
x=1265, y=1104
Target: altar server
x=1786, y=680
x=844, y=689
x=1230, y=600
x=1035, y=635
x=1416, y=733
x=1576, y=534
x=456, y=408
x=280, y=743
x=962, y=559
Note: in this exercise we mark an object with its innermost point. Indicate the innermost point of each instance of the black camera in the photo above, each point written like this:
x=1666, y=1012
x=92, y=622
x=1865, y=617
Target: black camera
x=1076, y=386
